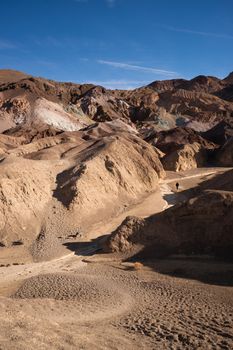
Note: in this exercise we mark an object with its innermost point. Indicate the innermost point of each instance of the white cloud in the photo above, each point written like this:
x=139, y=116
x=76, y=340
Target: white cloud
x=48, y=64
x=84, y=59
x=120, y=84
x=49, y=41
x=127, y=66
x=5, y=44
x=57, y=43
x=110, y=3
x=190, y=31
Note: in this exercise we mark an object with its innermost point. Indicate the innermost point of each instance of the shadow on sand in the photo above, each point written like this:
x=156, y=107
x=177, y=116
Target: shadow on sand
x=88, y=248
x=206, y=269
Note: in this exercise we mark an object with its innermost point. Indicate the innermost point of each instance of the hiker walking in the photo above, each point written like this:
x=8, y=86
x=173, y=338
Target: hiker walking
x=177, y=186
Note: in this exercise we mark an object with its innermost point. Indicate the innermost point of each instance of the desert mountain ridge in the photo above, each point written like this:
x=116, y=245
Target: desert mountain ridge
x=168, y=114
x=8, y=75
x=74, y=136
x=115, y=211
x=199, y=103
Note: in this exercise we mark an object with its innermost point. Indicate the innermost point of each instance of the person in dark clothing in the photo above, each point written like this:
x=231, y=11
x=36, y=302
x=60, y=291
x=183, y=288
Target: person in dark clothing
x=177, y=186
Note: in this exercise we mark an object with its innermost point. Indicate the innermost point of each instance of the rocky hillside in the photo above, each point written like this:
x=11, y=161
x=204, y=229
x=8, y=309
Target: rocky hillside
x=54, y=185
x=199, y=103
x=191, y=227
x=72, y=155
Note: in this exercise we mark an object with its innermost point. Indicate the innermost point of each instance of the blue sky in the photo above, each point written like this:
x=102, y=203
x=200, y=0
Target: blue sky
x=117, y=43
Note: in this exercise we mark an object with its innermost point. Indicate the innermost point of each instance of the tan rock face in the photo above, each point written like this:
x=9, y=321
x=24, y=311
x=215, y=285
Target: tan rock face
x=187, y=157
x=15, y=109
x=159, y=153
x=225, y=154
x=25, y=190
x=54, y=185
x=222, y=182
x=192, y=227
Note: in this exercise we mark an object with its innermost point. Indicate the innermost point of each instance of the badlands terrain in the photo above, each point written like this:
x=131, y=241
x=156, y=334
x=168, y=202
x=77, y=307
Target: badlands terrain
x=99, y=249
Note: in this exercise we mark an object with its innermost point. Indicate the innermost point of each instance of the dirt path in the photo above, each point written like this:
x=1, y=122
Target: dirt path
x=186, y=180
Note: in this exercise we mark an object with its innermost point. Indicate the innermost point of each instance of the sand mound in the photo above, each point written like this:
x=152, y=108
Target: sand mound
x=63, y=287
x=191, y=227
x=72, y=297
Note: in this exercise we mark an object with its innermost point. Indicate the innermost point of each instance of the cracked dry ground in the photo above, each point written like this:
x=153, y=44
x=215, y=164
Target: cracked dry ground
x=109, y=305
